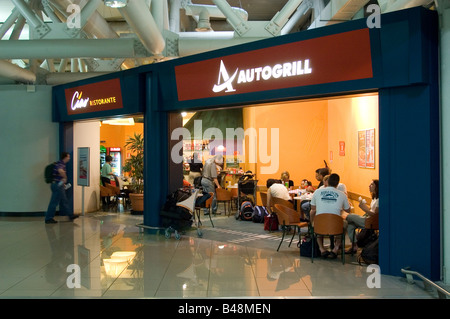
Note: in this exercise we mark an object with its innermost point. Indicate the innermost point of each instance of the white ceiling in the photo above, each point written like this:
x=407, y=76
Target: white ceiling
x=47, y=59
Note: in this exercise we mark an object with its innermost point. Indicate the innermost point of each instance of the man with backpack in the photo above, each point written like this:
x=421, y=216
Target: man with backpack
x=59, y=186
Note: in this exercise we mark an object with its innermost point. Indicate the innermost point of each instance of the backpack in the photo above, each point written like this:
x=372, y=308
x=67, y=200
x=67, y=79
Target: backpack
x=246, y=211
x=48, y=173
x=365, y=237
x=369, y=254
x=306, y=247
x=259, y=213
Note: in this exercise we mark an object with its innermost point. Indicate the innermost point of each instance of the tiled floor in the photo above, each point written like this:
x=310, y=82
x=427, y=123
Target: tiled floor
x=233, y=259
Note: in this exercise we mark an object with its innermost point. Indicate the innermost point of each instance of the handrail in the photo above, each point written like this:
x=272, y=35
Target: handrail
x=442, y=293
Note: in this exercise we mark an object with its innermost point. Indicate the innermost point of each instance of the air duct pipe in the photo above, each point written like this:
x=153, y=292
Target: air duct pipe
x=238, y=24
x=96, y=26
x=67, y=48
x=280, y=19
x=301, y=10
x=9, y=22
x=141, y=21
x=14, y=72
x=66, y=77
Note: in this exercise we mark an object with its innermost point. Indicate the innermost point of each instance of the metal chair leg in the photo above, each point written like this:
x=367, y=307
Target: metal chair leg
x=282, y=238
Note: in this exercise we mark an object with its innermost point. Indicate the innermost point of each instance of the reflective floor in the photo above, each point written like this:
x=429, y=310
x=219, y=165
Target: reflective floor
x=105, y=255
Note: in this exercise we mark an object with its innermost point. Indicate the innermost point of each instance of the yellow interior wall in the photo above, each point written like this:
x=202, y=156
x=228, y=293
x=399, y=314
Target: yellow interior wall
x=116, y=136
x=310, y=130
x=303, y=137
x=346, y=117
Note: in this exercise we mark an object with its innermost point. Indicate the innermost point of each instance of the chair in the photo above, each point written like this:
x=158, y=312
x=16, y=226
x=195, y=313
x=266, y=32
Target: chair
x=273, y=202
x=224, y=196
x=329, y=225
x=289, y=217
x=208, y=204
x=123, y=194
x=109, y=191
x=247, y=187
x=263, y=198
x=234, y=197
x=370, y=223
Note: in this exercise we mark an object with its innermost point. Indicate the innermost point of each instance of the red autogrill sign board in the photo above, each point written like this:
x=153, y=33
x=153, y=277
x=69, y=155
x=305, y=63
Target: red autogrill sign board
x=334, y=58
x=95, y=97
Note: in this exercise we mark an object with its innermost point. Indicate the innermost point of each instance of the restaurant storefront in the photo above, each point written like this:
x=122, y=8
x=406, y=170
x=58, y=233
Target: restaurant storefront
x=399, y=61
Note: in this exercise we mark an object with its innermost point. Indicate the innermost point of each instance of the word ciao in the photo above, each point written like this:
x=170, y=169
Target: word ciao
x=78, y=102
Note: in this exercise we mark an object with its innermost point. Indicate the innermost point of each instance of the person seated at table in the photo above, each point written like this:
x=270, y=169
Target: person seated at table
x=275, y=188
x=321, y=204
x=306, y=185
x=340, y=187
x=356, y=221
x=321, y=173
x=285, y=178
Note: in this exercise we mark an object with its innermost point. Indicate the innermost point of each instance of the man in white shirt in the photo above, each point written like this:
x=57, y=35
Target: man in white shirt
x=332, y=201
x=276, y=190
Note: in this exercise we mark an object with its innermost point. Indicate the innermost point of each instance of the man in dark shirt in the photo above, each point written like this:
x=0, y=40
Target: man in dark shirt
x=58, y=187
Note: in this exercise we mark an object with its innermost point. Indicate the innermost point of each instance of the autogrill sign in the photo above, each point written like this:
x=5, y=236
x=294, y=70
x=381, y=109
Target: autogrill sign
x=265, y=73
x=335, y=58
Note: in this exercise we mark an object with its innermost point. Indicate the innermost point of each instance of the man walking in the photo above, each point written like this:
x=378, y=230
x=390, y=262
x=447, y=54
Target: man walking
x=58, y=187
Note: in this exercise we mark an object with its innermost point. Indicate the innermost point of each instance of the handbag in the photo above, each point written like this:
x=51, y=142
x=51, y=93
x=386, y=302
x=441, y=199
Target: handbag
x=270, y=222
x=365, y=237
x=306, y=247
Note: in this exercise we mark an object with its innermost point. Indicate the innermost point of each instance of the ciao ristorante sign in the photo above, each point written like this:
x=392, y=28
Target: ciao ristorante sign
x=335, y=58
x=95, y=97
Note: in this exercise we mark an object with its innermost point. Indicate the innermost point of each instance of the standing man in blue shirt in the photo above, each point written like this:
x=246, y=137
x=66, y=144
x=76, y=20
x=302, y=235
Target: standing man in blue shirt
x=58, y=187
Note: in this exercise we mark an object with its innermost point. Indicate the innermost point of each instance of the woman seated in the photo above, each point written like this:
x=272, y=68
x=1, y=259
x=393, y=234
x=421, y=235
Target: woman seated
x=357, y=221
x=285, y=178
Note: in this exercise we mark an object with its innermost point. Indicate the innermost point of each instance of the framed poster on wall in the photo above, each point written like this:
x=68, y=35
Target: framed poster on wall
x=366, y=148
x=83, y=166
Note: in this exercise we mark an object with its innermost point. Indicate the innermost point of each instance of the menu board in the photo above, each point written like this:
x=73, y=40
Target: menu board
x=366, y=148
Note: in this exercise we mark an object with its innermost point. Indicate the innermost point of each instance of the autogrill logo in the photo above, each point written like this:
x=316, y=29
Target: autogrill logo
x=262, y=73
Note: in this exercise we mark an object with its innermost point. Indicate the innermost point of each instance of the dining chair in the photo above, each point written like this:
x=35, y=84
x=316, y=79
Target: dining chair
x=234, y=198
x=289, y=217
x=329, y=225
x=224, y=196
x=273, y=202
x=263, y=198
x=371, y=222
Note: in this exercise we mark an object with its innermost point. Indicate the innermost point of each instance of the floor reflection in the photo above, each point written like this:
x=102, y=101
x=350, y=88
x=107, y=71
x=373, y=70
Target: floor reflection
x=107, y=256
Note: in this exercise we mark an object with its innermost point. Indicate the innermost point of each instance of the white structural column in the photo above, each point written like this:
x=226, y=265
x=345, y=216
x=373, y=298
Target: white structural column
x=444, y=16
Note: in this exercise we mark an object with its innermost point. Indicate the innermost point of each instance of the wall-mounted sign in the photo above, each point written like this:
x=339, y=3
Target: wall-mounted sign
x=341, y=148
x=334, y=58
x=95, y=97
x=366, y=148
x=83, y=166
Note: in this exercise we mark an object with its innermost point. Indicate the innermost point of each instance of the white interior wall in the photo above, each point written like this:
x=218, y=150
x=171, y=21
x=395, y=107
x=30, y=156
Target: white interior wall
x=87, y=134
x=28, y=142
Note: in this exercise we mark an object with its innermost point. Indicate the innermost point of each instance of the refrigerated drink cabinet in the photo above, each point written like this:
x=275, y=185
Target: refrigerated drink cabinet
x=116, y=164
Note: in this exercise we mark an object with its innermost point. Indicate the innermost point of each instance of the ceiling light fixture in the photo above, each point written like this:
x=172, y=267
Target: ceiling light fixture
x=116, y=3
x=126, y=121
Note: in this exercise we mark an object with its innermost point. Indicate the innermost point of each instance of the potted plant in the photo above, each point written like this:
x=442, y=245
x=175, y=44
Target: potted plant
x=135, y=167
